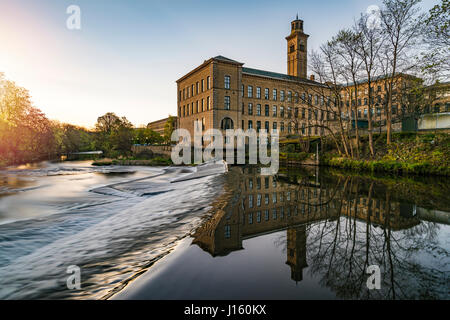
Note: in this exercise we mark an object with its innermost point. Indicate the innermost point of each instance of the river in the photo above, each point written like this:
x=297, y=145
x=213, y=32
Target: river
x=303, y=234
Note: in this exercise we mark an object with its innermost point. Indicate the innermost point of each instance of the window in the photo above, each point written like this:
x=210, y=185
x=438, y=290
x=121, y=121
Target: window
x=250, y=109
x=303, y=113
x=250, y=91
x=274, y=126
x=250, y=184
x=250, y=201
x=282, y=95
x=250, y=218
x=274, y=111
x=266, y=199
x=316, y=100
x=258, y=109
x=208, y=83
x=227, y=232
x=274, y=94
x=365, y=113
x=274, y=213
x=227, y=82
x=289, y=96
x=227, y=103
x=258, y=200
x=226, y=124
x=207, y=103
x=258, y=126
x=258, y=92
x=258, y=216
x=250, y=124
x=203, y=85
x=196, y=88
x=266, y=110
x=266, y=93
x=274, y=197
x=267, y=126
x=203, y=105
x=394, y=109
x=282, y=126
x=266, y=215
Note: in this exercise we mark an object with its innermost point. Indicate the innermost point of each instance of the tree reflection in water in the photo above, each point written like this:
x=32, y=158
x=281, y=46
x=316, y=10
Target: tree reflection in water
x=337, y=225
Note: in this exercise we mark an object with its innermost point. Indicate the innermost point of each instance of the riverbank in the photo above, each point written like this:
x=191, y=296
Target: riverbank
x=409, y=153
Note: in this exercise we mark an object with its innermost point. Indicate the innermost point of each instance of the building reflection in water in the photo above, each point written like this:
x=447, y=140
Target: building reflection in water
x=331, y=222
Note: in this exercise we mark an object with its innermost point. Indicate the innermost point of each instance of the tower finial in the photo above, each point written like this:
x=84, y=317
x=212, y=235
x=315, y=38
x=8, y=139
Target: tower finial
x=297, y=16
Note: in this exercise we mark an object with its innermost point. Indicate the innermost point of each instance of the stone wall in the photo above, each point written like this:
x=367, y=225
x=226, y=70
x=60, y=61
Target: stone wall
x=159, y=150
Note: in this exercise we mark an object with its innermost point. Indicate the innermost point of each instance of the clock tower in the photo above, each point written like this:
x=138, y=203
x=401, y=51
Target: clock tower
x=297, y=53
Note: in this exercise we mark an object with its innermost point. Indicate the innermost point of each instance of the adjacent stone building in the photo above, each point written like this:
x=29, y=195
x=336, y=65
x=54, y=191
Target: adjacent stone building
x=158, y=126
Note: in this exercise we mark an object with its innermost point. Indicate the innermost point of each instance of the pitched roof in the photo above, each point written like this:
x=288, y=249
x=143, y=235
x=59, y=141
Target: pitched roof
x=275, y=75
x=225, y=59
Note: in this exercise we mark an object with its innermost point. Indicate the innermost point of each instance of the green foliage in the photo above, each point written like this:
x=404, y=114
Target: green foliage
x=26, y=135
x=147, y=136
x=114, y=135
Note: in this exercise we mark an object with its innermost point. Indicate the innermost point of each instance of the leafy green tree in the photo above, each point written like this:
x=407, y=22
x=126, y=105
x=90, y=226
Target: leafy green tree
x=114, y=135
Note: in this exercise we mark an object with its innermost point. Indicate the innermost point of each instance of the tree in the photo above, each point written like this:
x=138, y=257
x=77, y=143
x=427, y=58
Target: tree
x=347, y=44
x=400, y=25
x=114, y=135
x=435, y=60
x=369, y=43
x=25, y=132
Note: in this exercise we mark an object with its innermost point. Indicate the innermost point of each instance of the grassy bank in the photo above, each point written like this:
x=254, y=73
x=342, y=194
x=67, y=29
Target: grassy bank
x=409, y=153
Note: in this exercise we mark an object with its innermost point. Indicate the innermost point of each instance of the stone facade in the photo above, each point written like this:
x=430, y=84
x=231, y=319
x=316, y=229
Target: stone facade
x=223, y=94
x=158, y=126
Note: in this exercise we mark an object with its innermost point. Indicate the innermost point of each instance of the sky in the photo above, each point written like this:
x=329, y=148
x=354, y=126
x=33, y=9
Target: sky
x=128, y=53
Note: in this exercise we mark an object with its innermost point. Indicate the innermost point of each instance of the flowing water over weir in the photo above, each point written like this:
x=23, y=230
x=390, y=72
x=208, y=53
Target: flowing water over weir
x=111, y=222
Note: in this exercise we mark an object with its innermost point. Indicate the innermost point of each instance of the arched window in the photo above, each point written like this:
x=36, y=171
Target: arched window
x=227, y=123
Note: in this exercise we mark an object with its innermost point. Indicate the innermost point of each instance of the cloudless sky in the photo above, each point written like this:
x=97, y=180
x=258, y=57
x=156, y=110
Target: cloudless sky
x=129, y=53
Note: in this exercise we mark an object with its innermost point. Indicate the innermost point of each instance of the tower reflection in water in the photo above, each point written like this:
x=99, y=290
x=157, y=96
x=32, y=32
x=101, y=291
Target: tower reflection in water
x=336, y=225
